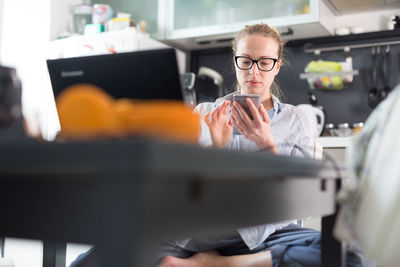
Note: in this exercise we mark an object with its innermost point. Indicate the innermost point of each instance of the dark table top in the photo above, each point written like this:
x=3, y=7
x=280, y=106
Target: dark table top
x=146, y=191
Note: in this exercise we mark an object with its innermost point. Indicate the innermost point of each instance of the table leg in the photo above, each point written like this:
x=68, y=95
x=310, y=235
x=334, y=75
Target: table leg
x=54, y=254
x=333, y=252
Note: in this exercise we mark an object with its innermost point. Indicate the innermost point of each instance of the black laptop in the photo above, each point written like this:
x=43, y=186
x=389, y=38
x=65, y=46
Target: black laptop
x=150, y=74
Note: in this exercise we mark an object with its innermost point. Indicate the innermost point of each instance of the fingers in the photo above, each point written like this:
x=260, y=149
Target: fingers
x=206, y=119
x=223, y=108
x=219, y=111
x=253, y=109
x=241, y=120
x=234, y=121
x=237, y=112
x=241, y=113
x=215, y=114
x=238, y=121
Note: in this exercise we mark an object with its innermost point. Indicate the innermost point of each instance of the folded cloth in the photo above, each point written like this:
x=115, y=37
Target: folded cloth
x=369, y=212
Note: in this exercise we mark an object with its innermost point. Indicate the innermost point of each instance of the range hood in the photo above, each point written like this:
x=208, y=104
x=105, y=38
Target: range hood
x=346, y=7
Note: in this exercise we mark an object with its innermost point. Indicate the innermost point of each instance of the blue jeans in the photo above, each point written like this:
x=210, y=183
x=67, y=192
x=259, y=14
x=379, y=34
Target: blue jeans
x=290, y=246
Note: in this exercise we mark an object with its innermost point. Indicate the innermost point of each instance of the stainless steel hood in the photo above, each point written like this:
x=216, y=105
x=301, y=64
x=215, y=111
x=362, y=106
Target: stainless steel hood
x=346, y=7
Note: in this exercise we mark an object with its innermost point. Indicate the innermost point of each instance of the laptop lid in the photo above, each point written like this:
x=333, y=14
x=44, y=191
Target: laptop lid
x=150, y=74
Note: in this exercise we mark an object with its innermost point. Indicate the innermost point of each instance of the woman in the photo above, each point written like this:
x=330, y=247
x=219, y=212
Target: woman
x=258, y=56
x=275, y=127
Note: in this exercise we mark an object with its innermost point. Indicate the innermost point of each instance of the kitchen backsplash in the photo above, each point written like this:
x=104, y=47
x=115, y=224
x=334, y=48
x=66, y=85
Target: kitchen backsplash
x=349, y=104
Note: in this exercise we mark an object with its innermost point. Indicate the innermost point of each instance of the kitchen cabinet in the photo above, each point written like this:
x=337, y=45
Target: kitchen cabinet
x=191, y=25
x=188, y=15
x=336, y=147
x=202, y=24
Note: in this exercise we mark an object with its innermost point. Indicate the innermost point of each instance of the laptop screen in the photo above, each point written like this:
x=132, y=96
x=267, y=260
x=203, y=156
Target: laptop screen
x=150, y=74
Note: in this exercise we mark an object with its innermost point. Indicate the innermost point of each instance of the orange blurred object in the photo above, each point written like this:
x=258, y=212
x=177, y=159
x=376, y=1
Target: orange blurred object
x=165, y=119
x=86, y=111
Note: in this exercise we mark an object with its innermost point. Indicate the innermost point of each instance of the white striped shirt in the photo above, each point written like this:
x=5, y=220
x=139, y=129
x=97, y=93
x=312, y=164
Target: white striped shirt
x=292, y=137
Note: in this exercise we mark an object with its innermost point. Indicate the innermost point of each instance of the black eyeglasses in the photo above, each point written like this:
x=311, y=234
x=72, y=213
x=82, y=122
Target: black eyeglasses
x=263, y=64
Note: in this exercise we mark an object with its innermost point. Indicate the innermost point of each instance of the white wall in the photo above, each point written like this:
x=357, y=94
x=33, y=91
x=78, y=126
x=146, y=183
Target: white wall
x=25, y=37
x=61, y=18
x=1, y=22
x=26, y=28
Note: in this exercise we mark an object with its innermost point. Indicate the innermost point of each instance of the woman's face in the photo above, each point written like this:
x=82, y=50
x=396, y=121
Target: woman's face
x=255, y=81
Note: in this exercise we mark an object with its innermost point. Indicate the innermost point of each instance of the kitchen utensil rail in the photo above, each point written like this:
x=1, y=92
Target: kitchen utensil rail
x=307, y=49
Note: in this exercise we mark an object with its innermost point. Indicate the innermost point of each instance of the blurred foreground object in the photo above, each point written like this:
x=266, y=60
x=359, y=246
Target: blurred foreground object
x=10, y=97
x=370, y=210
x=11, y=121
x=86, y=112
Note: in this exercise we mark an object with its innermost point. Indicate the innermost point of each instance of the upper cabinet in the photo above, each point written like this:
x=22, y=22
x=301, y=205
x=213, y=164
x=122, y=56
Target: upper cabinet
x=204, y=23
x=205, y=17
x=198, y=24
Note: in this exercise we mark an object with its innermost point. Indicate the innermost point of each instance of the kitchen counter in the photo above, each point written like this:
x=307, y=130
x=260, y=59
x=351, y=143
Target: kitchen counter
x=335, y=141
x=336, y=147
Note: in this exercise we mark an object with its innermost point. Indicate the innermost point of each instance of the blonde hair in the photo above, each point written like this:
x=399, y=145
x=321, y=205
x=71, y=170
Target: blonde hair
x=267, y=31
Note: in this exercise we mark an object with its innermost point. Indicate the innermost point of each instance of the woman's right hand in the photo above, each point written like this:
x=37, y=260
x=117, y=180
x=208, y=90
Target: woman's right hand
x=219, y=125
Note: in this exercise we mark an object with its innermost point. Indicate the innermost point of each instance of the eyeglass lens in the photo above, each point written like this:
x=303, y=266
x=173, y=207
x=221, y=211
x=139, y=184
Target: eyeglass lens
x=245, y=63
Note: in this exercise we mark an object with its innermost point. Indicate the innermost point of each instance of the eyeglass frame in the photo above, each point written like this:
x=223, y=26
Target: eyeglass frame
x=255, y=61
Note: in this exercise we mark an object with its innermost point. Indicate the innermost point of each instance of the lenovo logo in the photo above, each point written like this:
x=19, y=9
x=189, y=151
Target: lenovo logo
x=74, y=73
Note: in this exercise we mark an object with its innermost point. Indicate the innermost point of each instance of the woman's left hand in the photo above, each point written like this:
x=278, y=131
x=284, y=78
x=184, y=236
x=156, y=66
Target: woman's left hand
x=257, y=129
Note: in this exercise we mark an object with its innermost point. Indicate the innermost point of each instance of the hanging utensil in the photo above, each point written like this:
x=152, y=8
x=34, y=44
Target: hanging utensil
x=373, y=93
x=386, y=74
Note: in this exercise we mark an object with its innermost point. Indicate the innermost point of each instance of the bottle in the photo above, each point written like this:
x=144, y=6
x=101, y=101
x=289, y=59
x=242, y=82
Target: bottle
x=101, y=14
x=82, y=17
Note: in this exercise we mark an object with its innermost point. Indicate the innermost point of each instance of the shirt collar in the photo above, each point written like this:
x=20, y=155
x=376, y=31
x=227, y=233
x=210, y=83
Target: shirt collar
x=277, y=107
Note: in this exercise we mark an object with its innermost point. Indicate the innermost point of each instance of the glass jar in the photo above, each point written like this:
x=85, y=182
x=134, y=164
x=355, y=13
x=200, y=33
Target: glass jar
x=82, y=16
x=357, y=127
x=328, y=131
x=343, y=129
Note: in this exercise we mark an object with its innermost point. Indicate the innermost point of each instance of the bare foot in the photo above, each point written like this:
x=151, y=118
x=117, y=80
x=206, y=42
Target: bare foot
x=203, y=259
x=213, y=259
